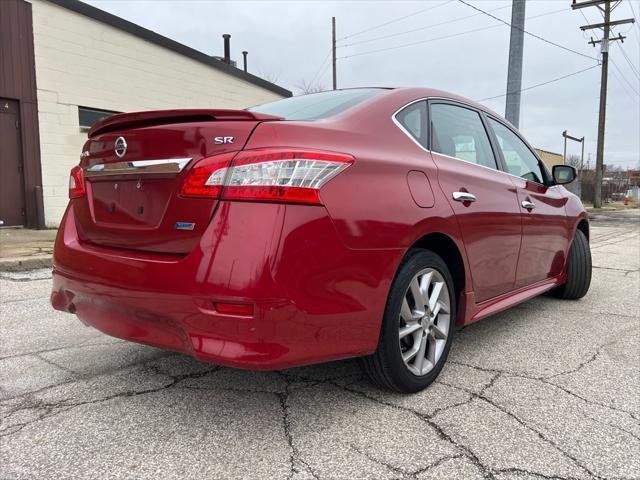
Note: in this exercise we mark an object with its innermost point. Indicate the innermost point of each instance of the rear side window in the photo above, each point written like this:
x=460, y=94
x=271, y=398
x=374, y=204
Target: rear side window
x=458, y=132
x=414, y=121
x=520, y=161
x=317, y=105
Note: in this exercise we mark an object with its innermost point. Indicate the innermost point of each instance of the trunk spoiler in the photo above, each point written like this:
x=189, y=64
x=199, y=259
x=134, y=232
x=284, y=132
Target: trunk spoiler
x=160, y=117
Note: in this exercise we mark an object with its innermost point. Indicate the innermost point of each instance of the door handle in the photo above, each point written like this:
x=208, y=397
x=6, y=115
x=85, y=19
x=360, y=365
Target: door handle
x=528, y=205
x=464, y=197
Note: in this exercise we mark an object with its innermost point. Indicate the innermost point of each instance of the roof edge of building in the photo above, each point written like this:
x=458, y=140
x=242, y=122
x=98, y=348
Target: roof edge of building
x=136, y=30
x=548, y=151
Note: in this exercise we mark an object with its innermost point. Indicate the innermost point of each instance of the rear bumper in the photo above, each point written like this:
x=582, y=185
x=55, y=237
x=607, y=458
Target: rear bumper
x=314, y=299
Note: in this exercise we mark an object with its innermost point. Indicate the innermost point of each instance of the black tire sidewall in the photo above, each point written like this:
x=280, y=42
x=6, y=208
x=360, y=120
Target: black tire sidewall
x=579, y=270
x=415, y=261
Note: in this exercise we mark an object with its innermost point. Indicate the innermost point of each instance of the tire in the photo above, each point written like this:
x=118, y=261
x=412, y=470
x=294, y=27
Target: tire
x=426, y=325
x=578, y=270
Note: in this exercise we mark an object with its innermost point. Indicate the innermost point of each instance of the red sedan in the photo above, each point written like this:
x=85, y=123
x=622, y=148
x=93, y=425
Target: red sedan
x=353, y=223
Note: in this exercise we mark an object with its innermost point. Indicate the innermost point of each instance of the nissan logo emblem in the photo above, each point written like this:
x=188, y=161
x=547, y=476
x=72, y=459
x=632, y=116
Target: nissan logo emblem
x=121, y=147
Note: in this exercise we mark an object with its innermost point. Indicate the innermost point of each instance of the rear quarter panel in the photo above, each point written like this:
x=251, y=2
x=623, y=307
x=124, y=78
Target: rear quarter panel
x=370, y=202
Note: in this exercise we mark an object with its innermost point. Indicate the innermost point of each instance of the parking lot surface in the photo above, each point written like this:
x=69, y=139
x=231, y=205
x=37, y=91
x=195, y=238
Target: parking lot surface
x=549, y=389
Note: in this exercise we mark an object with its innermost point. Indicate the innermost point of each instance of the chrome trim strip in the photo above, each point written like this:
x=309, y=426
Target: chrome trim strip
x=404, y=130
x=399, y=125
x=137, y=167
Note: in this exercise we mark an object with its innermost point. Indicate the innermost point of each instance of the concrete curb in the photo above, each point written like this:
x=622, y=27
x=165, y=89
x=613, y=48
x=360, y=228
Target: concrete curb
x=21, y=264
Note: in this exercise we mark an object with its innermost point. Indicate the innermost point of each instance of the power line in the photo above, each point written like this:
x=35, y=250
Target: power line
x=584, y=34
x=420, y=42
x=624, y=53
x=313, y=79
x=433, y=7
x=528, y=33
x=634, y=69
x=624, y=77
x=604, y=74
x=326, y=67
x=540, y=84
x=442, y=37
x=453, y=20
x=633, y=12
x=624, y=87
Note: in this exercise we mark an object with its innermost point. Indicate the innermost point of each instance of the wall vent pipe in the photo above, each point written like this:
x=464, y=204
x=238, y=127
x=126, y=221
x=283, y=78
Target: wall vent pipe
x=227, y=48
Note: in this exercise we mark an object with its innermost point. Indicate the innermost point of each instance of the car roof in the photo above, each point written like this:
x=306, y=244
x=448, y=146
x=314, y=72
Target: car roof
x=408, y=94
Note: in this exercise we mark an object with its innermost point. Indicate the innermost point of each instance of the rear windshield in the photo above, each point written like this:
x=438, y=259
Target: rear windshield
x=316, y=105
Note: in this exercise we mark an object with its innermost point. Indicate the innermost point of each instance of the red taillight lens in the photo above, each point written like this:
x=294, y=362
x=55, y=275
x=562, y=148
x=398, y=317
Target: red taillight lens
x=76, y=183
x=206, y=178
x=282, y=175
x=272, y=175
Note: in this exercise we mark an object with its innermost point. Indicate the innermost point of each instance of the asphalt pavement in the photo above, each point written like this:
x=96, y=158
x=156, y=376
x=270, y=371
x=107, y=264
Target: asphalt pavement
x=548, y=389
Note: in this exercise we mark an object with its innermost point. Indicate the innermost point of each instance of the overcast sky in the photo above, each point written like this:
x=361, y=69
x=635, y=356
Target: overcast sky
x=288, y=42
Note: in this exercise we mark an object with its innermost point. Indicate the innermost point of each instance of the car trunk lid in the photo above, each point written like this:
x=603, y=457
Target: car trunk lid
x=134, y=166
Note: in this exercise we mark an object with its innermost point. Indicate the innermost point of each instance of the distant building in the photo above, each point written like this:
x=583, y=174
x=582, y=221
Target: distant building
x=63, y=66
x=550, y=158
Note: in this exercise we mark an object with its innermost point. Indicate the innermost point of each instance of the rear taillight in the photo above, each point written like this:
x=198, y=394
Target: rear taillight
x=206, y=178
x=282, y=175
x=76, y=183
x=272, y=175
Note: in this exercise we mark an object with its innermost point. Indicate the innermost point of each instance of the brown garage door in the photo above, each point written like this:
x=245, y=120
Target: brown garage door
x=11, y=166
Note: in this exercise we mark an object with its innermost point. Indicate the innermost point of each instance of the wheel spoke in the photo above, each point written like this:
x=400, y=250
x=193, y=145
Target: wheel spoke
x=425, y=282
x=409, y=329
x=437, y=310
x=409, y=354
x=431, y=351
x=424, y=321
x=405, y=311
x=419, y=362
x=438, y=333
x=418, y=300
x=435, y=295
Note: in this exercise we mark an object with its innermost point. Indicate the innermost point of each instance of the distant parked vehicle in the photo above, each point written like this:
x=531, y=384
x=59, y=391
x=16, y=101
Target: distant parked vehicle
x=353, y=223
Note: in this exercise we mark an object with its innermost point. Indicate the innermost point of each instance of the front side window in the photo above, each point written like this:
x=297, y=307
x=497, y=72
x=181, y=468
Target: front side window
x=458, y=132
x=414, y=121
x=520, y=161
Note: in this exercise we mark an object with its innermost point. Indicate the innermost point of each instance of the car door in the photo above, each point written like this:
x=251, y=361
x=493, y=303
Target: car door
x=483, y=198
x=544, y=228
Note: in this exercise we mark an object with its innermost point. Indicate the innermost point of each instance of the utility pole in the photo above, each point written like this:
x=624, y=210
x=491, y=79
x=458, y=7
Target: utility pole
x=604, y=49
x=514, y=74
x=333, y=51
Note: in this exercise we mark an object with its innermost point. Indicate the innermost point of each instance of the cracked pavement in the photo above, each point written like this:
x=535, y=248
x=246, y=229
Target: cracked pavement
x=548, y=389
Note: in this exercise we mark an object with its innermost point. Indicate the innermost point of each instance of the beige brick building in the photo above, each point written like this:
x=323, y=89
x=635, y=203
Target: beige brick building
x=88, y=64
x=550, y=159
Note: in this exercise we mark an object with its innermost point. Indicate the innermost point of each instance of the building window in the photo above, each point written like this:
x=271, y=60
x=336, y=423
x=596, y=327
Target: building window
x=89, y=116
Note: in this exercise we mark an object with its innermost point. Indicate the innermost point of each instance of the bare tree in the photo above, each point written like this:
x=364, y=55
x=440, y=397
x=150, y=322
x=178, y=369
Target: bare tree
x=270, y=76
x=574, y=161
x=306, y=87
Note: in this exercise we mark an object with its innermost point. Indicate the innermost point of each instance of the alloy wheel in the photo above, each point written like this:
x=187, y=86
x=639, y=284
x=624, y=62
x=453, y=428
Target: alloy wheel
x=425, y=321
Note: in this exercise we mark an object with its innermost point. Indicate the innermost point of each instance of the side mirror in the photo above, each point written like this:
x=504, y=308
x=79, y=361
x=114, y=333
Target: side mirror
x=563, y=174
